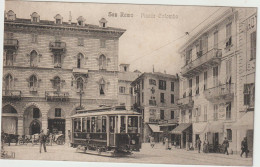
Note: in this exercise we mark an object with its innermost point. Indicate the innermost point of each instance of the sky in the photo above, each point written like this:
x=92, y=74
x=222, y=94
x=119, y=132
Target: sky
x=147, y=41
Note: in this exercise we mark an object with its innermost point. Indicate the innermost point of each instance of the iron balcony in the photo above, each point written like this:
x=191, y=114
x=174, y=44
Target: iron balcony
x=57, y=46
x=56, y=96
x=12, y=94
x=225, y=92
x=186, y=102
x=12, y=44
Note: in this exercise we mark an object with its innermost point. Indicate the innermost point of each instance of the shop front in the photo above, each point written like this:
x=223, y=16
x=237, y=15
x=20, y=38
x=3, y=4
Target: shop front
x=156, y=132
x=199, y=133
x=9, y=120
x=182, y=136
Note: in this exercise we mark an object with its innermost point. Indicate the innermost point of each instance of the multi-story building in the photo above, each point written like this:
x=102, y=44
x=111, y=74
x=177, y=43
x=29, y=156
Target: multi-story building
x=53, y=67
x=211, y=80
x=125, y=92
x=156, y=97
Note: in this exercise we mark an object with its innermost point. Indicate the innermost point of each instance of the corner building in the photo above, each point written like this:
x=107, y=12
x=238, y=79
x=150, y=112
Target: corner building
x=49, y=66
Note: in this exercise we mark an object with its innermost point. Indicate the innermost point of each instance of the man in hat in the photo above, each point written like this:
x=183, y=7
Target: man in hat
x=42, y=138
x=244, y=147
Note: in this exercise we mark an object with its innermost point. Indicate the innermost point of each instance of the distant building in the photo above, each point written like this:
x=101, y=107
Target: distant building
x=125, y=90
x=49, y=65
x=156, y=97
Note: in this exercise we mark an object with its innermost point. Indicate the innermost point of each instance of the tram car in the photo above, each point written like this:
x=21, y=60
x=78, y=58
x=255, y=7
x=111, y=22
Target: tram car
x=110, y=130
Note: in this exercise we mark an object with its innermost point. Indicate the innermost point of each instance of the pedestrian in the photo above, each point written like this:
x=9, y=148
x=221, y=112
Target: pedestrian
x=244, y=147
x=226, y=145
x=152, y=141
x=199, y=144
x=42, y=138
x=166, y=143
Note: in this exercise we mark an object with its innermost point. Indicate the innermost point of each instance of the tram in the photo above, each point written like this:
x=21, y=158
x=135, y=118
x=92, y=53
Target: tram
x=110, y=130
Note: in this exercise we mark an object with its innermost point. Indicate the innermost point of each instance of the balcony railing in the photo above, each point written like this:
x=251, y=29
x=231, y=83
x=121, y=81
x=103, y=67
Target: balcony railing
x=152, y=102
x=225, y=92
x=12, y=94
x=208, y=59
x=57, y=46
x=186, y=102
x=11, y=44
x=56, y=96
x=80, y=70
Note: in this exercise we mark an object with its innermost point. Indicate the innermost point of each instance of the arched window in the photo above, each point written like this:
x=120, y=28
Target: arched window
x=33, y=81
x=102, y=62
x=79, y=60
x=102, y=84
x=9, y=58
x=57, y=83
x=33, y=58
x=8, y=82
x=80, y=83
x=57, y=60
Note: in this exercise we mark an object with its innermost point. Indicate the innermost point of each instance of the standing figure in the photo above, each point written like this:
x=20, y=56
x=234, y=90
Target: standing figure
x=42, y=138
x=166, y=143
x=244, y=147
x=199, y=144
x=152, y=141
x=226, y=145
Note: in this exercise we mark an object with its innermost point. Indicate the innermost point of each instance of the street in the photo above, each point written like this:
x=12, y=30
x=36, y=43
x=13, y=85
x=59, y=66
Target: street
x=156, y=155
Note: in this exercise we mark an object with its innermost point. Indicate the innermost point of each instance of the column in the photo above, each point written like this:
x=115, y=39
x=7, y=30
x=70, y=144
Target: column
x=20, y=125
x=107, y=130
x=119, y=124
x=44, y=121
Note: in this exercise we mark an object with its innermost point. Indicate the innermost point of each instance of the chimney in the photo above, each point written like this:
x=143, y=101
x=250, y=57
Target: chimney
x=153, y=68
x=70, y=18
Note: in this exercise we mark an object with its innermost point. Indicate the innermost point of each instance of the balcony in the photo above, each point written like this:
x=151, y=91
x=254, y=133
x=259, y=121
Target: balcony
x=152, y=102
x=12, y=94
x=185, y=103
x=154, y=120
x=80, y=71
x=12, y=44
x=207, y=60
x=57, y=46
x=221, y=92
x=56, y=96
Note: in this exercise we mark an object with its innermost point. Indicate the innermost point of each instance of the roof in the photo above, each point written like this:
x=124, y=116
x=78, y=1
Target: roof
x=182, y=127
x=155, y=74
x=155, y=128
x=64, y=25
x=108, y=112
x=127, y=76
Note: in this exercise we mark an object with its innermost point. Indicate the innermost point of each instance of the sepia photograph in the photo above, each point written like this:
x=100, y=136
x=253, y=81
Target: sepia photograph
x=128, y=83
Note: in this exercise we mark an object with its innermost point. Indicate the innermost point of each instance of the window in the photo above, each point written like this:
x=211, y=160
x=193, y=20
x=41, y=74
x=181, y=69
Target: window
x=229, y=134
x=36, y=113
x=172, y=86
x=80, y=84
x=253, y=45
x=162, y=98
x=8, y=82
x=172, y=115
x=57, y=60
x=130, y=90
x=249, y=94
x=162, y=84
x=57, y=83
x=190, y=116
x=34, y=38
x=228, y=110
x=142, y=84
x=142, y=97
x=172, y=98
x=102, y=87
x=9, y=58
x=33, y=59
x=205, y=113
x=205, y=80
x=183, y=116
x=102, y=43
x=216, y=39
x=121, y=89
x=80, y=23
x=228, y=71
x=197, y=114
x=188, y=56
x=205, y=44
x=162, y=114
x=57, y=112
x=190, y=87
x=33, y=81
x=80, y=41
x=228, y=35
x=102, y=62
x=197, y=85
x=58, y=21
x=215, y=112
x=125, y=68
x=35, y=19
x=79, y=60
x=215, y=76
x=152, y=82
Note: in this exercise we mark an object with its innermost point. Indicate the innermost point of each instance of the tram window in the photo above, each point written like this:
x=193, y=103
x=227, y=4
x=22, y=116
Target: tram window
x=93, y=122
x=123, y=124
x=84, y=128
x=104, y=123
x=132, y=124
x=88, y=124
x=112, y=124
x=99, y=124
x=77, y=125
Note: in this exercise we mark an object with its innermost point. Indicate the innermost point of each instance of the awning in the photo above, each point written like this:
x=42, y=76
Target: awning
x=155, y=128
x=245, y=122
x=199, y=128
x=182, y=127
x=215, y=127
x=168, y=124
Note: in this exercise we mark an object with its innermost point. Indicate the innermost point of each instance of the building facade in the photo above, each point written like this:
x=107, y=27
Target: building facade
x=156, y=97
x=125, y=90
x=211, y=83
x=51, y=68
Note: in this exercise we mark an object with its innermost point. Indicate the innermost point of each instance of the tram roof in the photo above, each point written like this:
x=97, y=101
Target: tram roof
x=110, y=112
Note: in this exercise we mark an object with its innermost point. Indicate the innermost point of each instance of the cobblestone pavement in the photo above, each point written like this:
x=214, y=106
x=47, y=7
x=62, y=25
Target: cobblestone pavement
x=147, y=155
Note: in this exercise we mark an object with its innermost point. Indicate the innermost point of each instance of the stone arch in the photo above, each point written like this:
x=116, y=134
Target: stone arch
x=32, y=104
x=73, y=109
x=4, y=106
x=11, y=104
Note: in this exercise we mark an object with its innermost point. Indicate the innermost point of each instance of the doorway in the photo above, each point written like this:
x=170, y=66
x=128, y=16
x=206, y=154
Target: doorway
x=56, y=126
x=35, y=127
x=215, y=141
